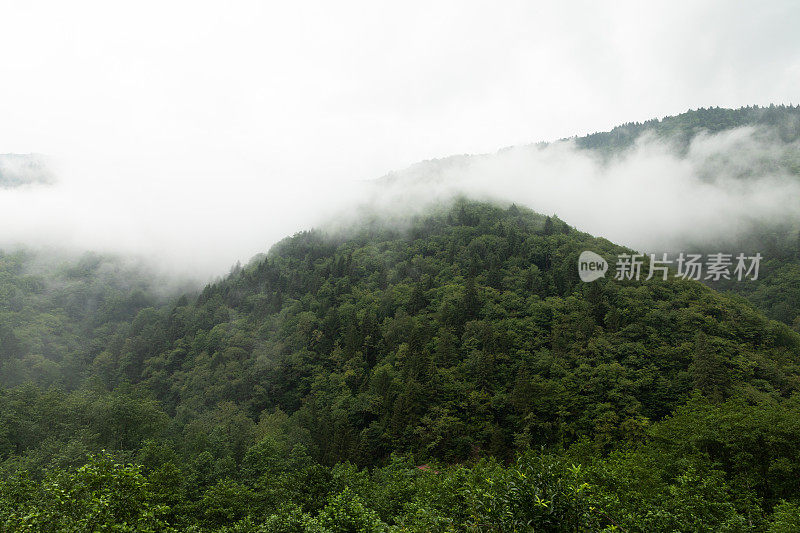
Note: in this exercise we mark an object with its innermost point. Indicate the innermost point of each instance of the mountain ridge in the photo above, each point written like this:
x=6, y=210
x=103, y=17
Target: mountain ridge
x=450, y=373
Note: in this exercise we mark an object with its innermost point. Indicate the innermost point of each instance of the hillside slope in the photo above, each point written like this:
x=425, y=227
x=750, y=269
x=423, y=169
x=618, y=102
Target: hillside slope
x=467, y=331
x=465, y=336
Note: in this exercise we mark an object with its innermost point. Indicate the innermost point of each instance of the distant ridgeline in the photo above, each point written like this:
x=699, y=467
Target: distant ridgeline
x=24, y=169
x=783, y=120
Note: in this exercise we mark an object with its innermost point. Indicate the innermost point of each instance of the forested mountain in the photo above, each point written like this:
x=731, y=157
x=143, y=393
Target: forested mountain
x=453, y=374
x=441, y=371
x=433, y=340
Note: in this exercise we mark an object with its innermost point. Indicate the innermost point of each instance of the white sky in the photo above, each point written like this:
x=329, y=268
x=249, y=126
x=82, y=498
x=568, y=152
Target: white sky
x=237, y=112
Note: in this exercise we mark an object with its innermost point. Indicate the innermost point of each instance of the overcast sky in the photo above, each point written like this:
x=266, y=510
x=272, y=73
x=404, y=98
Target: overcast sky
x=189, y=107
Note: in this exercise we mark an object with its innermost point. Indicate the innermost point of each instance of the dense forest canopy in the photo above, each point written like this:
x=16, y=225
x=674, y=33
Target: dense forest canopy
x=449, y=374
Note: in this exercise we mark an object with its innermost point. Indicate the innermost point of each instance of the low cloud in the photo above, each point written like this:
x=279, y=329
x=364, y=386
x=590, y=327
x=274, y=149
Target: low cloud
x=201, y=217
x=656, y=195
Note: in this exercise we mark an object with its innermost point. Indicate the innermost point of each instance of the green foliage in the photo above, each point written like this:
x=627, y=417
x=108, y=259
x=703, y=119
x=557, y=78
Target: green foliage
x=346, y=513
x=786, y=518
x=102, y=495
x=537, y=492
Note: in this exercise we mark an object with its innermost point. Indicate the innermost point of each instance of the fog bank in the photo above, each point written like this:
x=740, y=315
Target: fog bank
x=201, y=219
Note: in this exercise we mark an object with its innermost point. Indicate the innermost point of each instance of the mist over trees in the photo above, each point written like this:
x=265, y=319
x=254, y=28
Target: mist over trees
x=442, y=371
